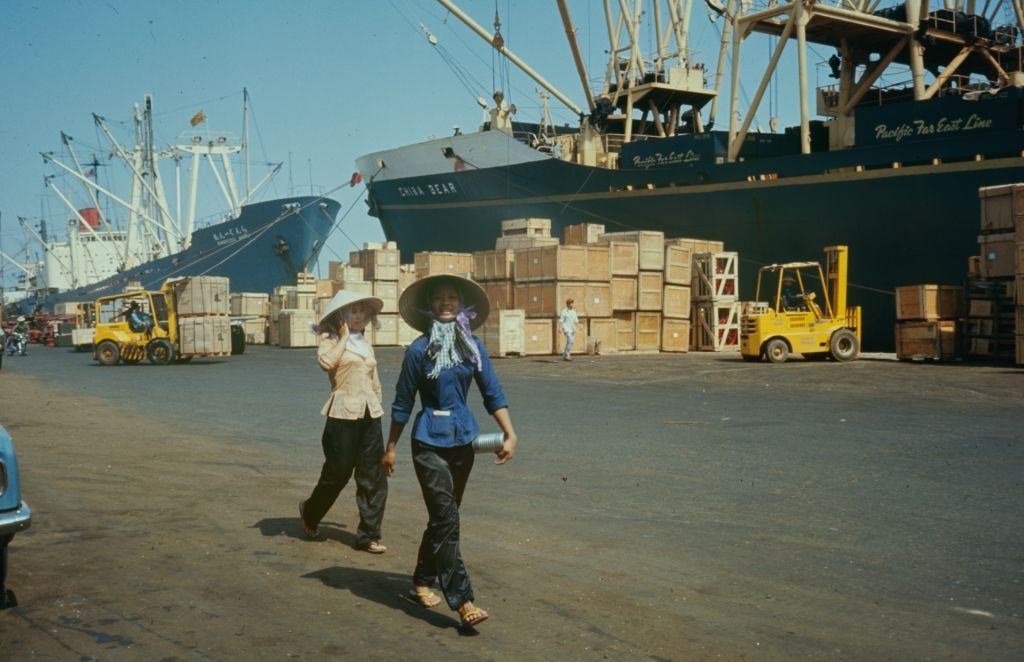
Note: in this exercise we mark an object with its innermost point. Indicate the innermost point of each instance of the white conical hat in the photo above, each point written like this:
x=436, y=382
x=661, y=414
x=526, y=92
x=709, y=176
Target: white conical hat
x=348, y=297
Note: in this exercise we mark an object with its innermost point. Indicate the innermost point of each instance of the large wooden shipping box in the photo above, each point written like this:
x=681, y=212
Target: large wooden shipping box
x=406, y=277
x=406, y=334
x=243, y=304
x=716, y=276
x=500, y=293
x=295, y=328
x=623, y=257
x=431, y=263
x=204, y=335
x=546, y=299
x=625, y=331
x=675, y=335
x=998, y=255
x=279, y=300
x=929, y=302
x=603, y=333
x=530, y=227
x=650, y=244
x=494, y=265
x=341, y=271
x=202, y=295
x=624, y=291
x=678, y=265
x=579, y=339
x=380, y=263
x=1002, y=208
x=939, y=340
x=520, y=242
x=361, y=286
x=597, y=300
x=582, y=234
x=385, y=334
x=676, y=301
x=387, y=292
x=301, y=300
x=255, y=331
x=697, y=245
x=551, y=263
x=503, y=333
x=598, y=263
x=537, y=337
x=648, y=332
x=650, y=285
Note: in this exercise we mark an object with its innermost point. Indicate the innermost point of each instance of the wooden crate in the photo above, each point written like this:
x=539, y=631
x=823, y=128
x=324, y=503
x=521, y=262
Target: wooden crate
x=387, y=292
x=320, y=305
x=623, y=256
x=521, y=242
x=205, y=335
x=676, y=301
x=494, y=265
x=501, y=294
x=650, y=285
x=341, y=271
x=295, y=329
x=380, y=263
x=625, y=331
x=579, y=340
x=530, y=227
x=582, y=234
x=651, y=246
x=716, y=326
x=675, y=335
x=598, y=263
x=974, y=266
x=406, y=334
x=274, y=332
x=537, y=337
x=697, y=245
x=202, y=295
x=546, y=299
x=938, y=340
x=551, y=263
x=597, y=300
x=406, y=277
x=243, y=304
x=998, y=255
x=1002, y=208
x=301, y=300
x=255, y=331
x=678, y=265
x=305, y=278
x=981, y=308
x=361, y=286
x=624, y=291
x=385, y=334
x=279, y=300
x=430, y=263
x=929, y=302
x=716, y=276
x=648, y=332
x=503, y=333
x=602, y=334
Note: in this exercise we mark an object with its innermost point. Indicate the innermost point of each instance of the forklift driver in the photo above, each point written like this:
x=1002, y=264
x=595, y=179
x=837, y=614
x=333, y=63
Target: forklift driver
x=139, y=321
x=792, y=297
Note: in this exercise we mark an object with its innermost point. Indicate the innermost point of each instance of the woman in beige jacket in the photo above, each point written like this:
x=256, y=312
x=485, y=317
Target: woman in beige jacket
x=352, y=439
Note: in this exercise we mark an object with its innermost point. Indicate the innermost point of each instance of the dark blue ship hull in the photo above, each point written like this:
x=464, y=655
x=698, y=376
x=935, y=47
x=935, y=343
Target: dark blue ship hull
x=908, y=212
x=264, y=247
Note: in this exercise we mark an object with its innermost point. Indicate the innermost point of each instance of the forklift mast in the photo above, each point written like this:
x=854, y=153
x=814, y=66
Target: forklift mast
x=836, y=264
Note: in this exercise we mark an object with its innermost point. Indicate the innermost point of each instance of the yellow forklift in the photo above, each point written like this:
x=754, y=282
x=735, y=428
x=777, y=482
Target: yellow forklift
x=136, y=325
x=794, y=322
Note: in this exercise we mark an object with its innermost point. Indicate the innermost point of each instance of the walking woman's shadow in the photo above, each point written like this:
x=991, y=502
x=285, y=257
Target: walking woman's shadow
x=292, y=527
x=388, y=589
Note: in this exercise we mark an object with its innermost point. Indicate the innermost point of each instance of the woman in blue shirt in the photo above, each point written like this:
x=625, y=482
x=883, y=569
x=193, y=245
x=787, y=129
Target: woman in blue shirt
x=440, y=365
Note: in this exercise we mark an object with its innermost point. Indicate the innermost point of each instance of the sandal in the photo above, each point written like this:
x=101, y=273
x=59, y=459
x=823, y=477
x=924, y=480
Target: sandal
x=309, y=531
x=373, y=547
x=473, y=617
x=423, y=596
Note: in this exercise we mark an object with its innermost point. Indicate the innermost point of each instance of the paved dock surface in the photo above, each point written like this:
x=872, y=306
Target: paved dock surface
x=661, y=507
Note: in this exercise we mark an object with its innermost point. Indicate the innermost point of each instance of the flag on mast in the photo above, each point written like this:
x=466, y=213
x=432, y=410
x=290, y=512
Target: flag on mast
x=198, y=118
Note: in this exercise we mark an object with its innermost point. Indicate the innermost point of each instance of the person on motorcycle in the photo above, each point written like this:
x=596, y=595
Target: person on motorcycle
x=19, y=337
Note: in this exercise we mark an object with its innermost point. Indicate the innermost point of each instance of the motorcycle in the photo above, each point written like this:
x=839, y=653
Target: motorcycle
x=16, y=343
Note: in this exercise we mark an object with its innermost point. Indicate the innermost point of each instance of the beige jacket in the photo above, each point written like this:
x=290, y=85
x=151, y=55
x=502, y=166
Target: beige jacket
x=355, y=386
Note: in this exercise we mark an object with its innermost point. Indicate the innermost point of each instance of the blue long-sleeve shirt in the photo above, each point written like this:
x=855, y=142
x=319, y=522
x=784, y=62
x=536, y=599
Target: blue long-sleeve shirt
x=445, y=419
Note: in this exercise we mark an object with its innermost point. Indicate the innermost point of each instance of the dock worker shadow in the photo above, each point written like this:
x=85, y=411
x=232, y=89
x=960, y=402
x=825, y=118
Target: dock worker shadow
x=292, y=527
x=386, y=588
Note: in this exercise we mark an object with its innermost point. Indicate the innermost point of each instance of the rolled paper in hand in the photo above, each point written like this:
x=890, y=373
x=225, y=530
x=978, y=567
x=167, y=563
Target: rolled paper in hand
x=492, y=442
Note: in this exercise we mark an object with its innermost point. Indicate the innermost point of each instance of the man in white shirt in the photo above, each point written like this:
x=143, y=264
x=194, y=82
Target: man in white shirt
x=567, y=321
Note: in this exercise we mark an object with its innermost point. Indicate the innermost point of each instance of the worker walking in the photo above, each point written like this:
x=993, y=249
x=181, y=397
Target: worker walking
x=567, y=321
x=352, y=439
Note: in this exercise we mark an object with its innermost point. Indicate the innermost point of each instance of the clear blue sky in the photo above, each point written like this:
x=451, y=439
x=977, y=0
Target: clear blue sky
x=329, y=81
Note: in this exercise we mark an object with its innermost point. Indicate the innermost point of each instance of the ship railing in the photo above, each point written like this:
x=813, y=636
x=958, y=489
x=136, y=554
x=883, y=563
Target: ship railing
x=613, y=141
x=828, y=96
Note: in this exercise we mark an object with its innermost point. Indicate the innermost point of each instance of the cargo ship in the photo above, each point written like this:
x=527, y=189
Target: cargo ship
x=892, y=171
x=138, y=240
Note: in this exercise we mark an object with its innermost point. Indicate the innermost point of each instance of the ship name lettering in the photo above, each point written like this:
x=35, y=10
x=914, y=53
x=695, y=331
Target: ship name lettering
x=445, y=188
x=658, y=159
x=230, y=235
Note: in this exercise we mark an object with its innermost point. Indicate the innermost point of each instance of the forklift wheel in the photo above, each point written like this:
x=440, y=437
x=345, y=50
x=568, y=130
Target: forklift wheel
x=108, y=353
x=844, y=345
x=160, y=352
x=776, y=350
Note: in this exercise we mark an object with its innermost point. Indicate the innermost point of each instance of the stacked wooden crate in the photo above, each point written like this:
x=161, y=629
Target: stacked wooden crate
x=432, y=263
x=254, y=310
x=519, y=233
x=637, y=256
x=928, y=322
x=717, y=309
x=297, y=314
x=203, y=308
x=991, y=329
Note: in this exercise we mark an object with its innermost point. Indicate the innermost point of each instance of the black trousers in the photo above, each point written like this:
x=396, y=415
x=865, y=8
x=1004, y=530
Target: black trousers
x=352, y=446
x=443, y=473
